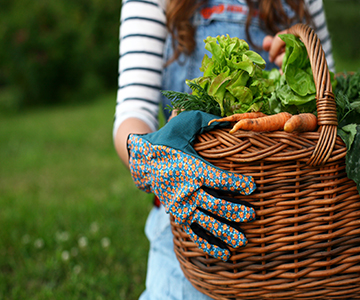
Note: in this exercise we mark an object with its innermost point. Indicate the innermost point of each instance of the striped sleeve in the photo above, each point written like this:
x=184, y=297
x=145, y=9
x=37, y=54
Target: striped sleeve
x=142, y=38
x=316, y=10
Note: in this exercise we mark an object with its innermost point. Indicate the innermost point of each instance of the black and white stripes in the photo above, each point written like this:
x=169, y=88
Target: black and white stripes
x=317, y=13
x=142, y=37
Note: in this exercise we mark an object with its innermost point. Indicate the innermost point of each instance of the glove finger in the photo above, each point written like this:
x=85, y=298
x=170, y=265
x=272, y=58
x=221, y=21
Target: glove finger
x=228, y=181
x=225, y=231
x=214, y=250
x=226, y=207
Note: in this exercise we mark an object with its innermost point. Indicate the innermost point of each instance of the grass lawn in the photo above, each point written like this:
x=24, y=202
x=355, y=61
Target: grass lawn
x=72, y=221
x=343, y=23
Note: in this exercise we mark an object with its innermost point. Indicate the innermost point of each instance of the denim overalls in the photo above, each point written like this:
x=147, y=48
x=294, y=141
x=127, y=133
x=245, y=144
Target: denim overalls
x=165, y=280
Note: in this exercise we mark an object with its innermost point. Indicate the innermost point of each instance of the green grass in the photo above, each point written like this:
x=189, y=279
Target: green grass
x=71, y=219
x=344, y=26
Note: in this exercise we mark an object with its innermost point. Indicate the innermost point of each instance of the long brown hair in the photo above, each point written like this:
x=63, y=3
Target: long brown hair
x=271, y=12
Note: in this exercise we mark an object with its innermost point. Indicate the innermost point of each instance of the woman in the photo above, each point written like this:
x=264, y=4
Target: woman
x=161, y=45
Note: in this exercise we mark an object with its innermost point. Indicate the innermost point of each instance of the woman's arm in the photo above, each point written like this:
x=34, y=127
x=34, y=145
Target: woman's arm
x=130, y=125
x=316, y=10
x=142, y=37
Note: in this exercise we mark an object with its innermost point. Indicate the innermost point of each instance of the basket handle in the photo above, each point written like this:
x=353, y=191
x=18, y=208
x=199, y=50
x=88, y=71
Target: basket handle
x=325, y=99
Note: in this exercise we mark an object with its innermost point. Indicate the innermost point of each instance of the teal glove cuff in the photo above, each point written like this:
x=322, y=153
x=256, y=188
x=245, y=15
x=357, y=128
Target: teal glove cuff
x=180, y=132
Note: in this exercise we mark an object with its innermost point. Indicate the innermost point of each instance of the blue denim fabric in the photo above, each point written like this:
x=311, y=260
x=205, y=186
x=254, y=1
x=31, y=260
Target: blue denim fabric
x=165, y=280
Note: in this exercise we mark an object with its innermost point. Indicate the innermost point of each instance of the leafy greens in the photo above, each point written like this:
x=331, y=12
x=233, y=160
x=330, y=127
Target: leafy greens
x=347, y=95
x=233, y=75
x=235, y=79
x=295, y=90
x=198, y=100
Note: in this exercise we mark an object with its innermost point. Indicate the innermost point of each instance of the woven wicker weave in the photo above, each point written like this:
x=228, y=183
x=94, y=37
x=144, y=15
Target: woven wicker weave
x=305, y=243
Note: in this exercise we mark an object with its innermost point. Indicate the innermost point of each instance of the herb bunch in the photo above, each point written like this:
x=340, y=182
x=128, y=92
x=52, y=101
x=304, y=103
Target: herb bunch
x=198, y=100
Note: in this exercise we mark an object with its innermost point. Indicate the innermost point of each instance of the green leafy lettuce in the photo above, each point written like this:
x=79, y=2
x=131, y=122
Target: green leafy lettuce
x=295, y=90
x=233, y=75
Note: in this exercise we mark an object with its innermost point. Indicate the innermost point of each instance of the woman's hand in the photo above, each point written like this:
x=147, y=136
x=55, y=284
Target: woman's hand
x=174, y=113
x=130, y=125
x=276, y=48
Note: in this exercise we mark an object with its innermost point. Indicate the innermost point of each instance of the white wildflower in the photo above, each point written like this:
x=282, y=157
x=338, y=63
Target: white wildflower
x=39, y=243
x=62, y=236
x=83, y=242
x=65, y=255
x=94, y=227
x=105, y=242
x=77, y=269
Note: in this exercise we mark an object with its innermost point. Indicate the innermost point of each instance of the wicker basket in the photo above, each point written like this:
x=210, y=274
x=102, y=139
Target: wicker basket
x=305, y=243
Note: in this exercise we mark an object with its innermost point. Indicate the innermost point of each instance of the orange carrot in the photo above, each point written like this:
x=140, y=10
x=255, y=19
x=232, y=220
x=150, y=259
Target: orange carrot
x=268, y=123
x=301, y=123
x=238, y=117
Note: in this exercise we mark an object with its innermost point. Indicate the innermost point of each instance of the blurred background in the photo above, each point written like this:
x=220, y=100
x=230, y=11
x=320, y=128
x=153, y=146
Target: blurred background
x=71, y=219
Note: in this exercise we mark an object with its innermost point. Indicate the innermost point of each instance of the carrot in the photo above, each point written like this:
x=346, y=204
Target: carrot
x=238, y=117
x=301, y=123
x=267, y=123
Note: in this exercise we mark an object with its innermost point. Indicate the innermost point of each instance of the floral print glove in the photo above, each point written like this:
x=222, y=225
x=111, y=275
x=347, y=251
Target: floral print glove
x=190, y=188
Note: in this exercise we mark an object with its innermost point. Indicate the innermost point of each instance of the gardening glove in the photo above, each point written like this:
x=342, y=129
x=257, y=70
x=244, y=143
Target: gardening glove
x=165, y=163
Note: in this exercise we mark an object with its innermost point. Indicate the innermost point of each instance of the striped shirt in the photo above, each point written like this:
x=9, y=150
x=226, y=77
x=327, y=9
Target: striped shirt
x=142, y=37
